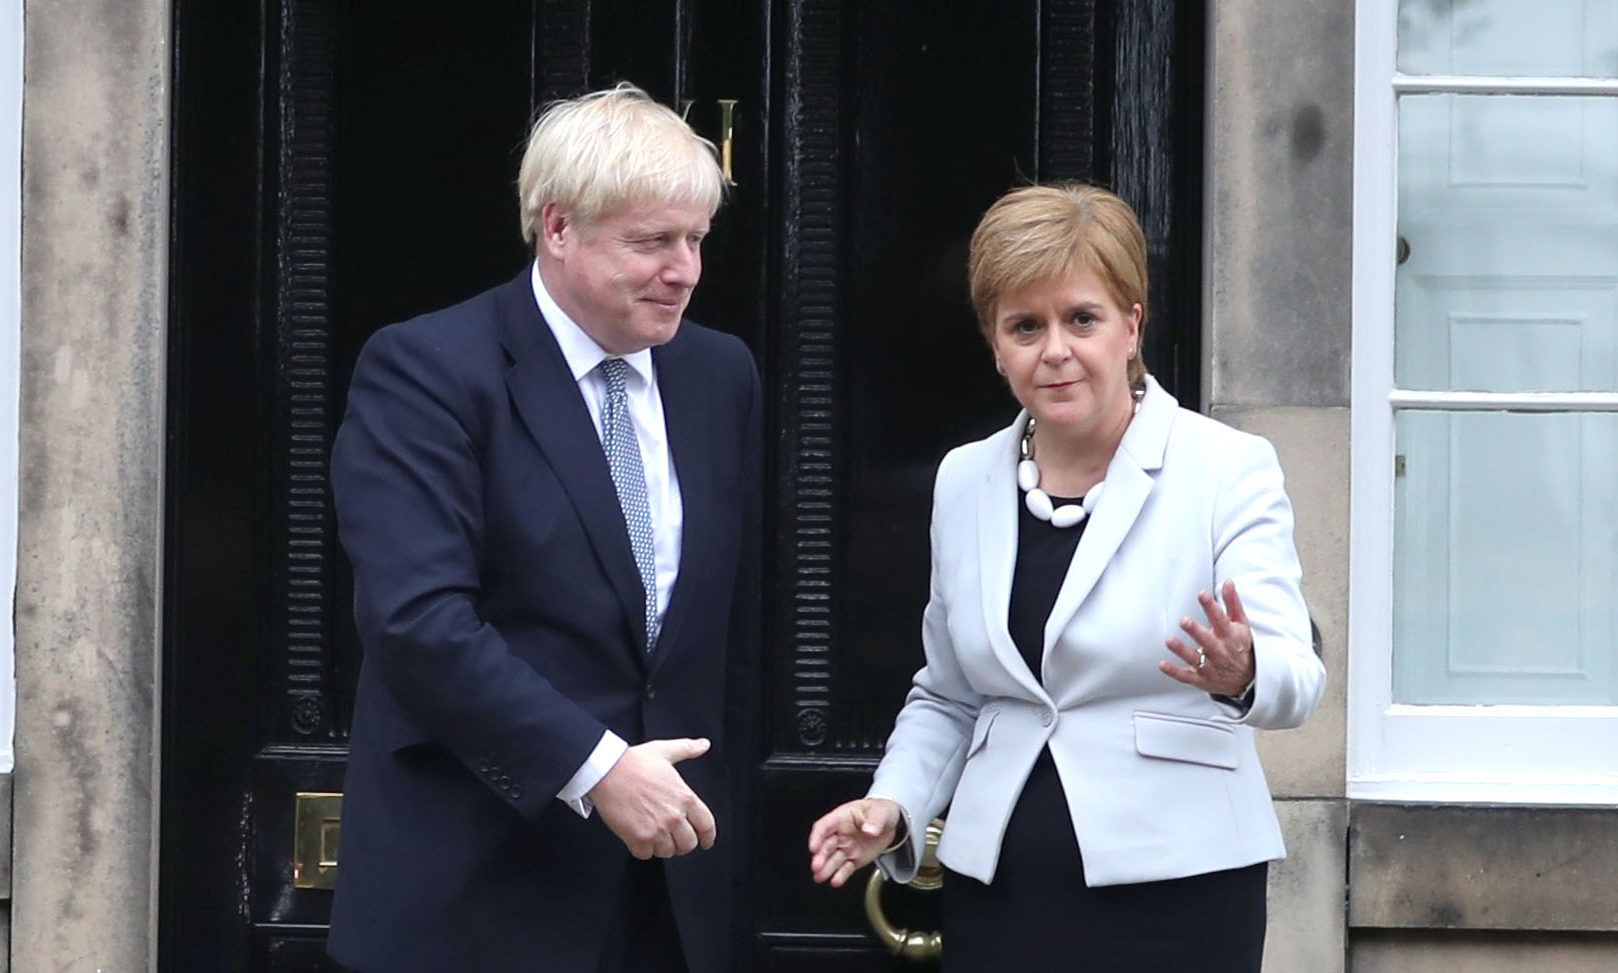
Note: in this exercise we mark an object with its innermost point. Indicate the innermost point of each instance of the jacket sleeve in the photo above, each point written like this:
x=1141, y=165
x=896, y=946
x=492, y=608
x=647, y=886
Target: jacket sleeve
x=927, y=750
x=407, y=481
x=743, y=688
x=1252, y=538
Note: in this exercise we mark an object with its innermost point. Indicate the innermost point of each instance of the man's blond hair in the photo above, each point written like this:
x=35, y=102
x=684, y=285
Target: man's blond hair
x=592, y=154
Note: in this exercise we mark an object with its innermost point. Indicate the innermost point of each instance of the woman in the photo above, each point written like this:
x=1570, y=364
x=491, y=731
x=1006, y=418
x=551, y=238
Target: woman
x=1087, y=707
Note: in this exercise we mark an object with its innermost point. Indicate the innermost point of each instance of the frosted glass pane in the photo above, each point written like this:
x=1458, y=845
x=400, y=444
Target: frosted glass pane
x=1508, y=209
x=1523, y=38
x=1506, y=558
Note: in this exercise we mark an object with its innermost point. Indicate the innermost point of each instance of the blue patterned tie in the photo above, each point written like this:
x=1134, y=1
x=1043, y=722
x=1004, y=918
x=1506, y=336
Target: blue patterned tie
x=629, y=479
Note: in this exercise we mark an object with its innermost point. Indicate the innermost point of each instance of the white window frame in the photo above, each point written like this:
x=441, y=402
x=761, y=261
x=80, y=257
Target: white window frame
x=1453, y=754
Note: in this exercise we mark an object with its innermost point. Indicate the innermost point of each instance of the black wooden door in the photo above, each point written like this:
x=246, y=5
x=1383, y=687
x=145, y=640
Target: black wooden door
x=340, y=164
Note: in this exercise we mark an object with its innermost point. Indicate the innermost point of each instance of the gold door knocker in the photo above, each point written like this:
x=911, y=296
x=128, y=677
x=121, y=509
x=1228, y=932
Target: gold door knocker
x=914, y=946
x=727, y=133
x=727, y=137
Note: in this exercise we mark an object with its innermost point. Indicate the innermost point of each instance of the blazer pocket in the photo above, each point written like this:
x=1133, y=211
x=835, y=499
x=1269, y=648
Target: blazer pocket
x=980, y=732
x=1186, y=738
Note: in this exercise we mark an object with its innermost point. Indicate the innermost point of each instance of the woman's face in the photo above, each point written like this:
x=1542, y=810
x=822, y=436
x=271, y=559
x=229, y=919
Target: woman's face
x=1064, y=346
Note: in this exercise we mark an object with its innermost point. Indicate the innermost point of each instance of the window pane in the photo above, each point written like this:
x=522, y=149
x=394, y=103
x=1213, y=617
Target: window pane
x=1505, y=558
x=1542, y=38
x=1508, y=207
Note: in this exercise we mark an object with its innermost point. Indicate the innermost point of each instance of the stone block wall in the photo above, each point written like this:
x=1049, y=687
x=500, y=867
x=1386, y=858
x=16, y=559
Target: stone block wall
x=94, y=302
x=5, y=873
x=1279, y=205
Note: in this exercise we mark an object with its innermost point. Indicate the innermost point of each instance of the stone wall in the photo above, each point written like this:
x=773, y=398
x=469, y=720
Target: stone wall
x=5, y=872
x=94, y=250
x=1277, y=282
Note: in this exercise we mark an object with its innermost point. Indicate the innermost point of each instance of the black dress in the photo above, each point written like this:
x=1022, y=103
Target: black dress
x=1038, y=915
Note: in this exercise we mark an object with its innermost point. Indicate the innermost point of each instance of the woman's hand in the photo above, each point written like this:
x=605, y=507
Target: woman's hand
x=1222, y=660
x=850, y=837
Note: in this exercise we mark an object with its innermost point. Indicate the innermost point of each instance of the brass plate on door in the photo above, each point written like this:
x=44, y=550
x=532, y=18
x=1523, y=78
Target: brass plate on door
x=318, y=824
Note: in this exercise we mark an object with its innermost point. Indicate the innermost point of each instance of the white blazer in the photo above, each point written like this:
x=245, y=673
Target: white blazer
x=1162, y=780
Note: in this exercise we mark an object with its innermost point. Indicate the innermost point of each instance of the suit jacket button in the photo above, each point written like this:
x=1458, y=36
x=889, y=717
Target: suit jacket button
x=1047, y=719
x=515, y=790
x=651, y=694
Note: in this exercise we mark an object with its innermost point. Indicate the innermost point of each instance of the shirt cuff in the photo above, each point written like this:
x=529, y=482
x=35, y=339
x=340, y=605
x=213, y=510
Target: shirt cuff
x=601, y=760
x=1242, y=703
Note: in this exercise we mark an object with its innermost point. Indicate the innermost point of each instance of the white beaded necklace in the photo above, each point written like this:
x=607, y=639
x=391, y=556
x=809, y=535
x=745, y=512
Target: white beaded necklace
x=1038, y=501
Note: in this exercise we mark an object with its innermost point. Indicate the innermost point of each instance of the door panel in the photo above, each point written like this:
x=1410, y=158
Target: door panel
x=340, y=165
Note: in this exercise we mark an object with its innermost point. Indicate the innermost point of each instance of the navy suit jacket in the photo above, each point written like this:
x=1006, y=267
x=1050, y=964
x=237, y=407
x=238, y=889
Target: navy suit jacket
x=500, y=613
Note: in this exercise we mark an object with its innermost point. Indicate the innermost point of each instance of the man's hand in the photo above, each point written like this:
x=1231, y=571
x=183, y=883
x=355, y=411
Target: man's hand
x=647, y=804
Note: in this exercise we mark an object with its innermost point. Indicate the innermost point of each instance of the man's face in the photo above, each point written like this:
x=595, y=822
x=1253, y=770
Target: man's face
x=626, y=278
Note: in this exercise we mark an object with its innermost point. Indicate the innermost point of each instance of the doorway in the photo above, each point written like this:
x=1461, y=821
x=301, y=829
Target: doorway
x=340, y=165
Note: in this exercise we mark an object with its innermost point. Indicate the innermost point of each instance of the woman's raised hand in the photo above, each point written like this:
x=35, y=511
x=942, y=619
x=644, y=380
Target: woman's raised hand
x=850, y=837
x=1221, y=662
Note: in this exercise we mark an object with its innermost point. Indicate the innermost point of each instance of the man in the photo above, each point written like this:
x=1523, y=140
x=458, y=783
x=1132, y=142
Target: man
x=548, y=494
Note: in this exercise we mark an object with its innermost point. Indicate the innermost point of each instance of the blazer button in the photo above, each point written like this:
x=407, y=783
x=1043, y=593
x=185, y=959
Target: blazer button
x=1047, y=718
x=515, y=790
x=651, y=694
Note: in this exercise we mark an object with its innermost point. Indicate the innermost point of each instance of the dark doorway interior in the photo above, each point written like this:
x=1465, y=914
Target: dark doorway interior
x=339, y=165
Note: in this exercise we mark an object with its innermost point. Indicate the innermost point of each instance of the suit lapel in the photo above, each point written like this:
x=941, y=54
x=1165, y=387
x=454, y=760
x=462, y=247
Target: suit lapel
x=997, y=551
x=548, y=400
x=1129, y=482
x=684, y=417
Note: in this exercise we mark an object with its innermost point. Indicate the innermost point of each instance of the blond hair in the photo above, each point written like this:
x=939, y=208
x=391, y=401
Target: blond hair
x=592, y=154
x=1041, y=233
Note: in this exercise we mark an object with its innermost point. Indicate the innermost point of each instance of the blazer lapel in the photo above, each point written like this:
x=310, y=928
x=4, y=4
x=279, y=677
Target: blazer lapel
x=548, y=400
x=689, y=447
x=1129, y=482
x=997, y=552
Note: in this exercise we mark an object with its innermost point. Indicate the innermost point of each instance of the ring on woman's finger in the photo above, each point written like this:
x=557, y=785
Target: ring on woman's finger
x=1202, y=659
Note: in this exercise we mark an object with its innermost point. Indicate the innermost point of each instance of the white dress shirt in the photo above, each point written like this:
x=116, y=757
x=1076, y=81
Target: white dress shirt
x=662, y=487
